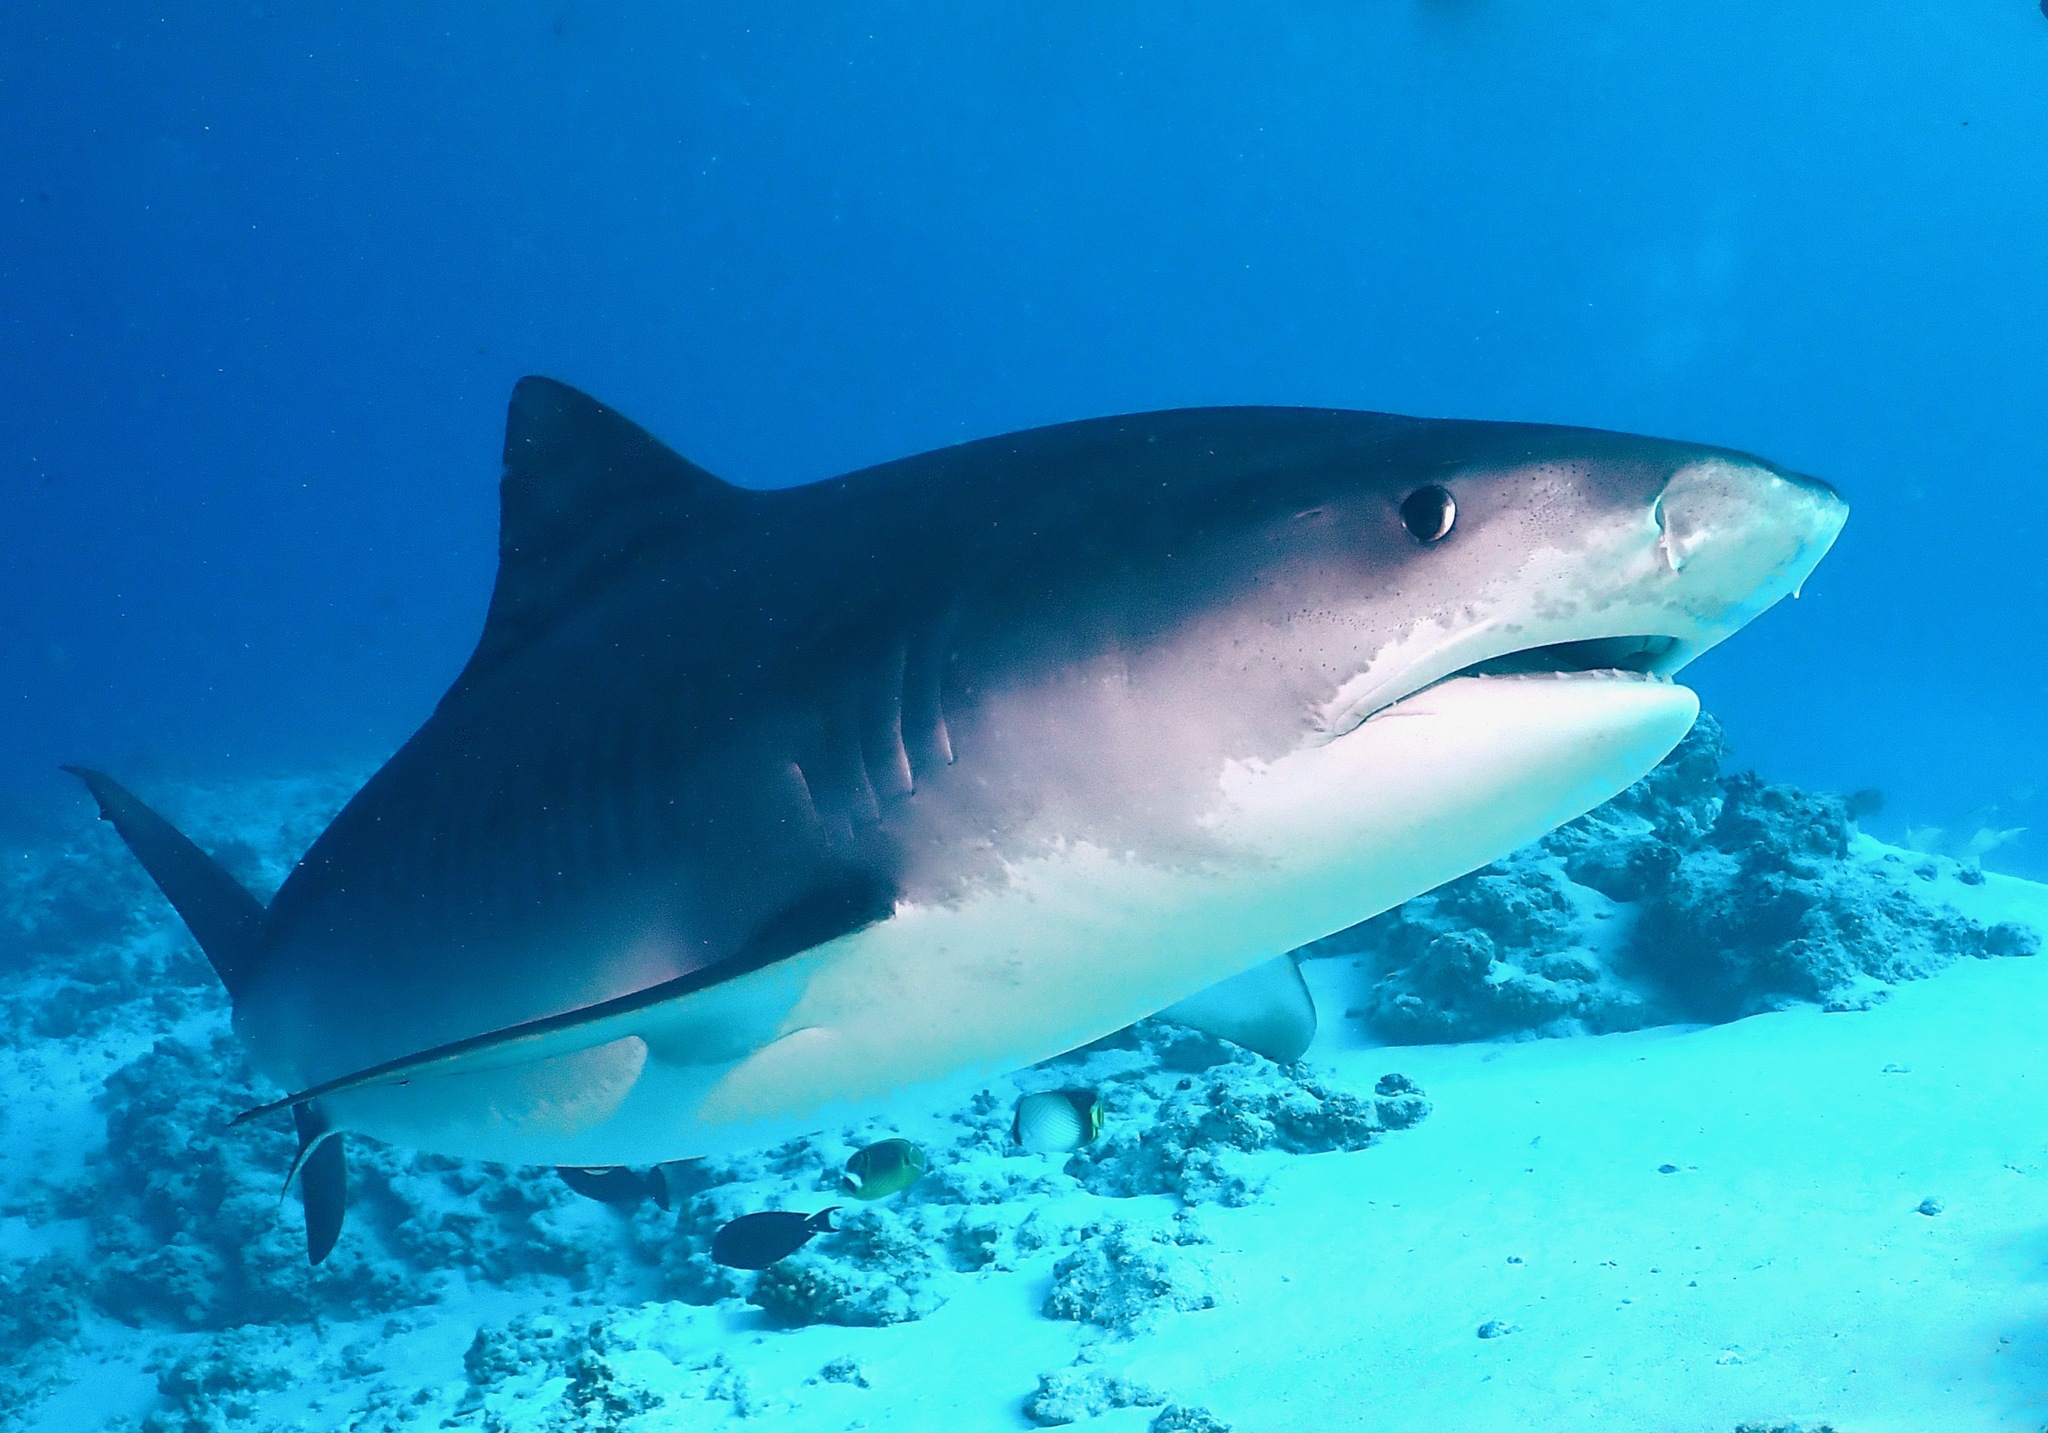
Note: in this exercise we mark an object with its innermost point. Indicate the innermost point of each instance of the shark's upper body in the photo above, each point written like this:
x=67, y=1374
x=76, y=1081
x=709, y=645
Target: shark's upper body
x=752, y=808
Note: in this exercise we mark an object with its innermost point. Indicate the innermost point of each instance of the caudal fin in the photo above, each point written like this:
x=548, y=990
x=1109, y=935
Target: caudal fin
x=225, y=919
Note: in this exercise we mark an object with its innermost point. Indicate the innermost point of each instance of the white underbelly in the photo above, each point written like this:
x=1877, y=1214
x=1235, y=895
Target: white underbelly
x=1075, y=944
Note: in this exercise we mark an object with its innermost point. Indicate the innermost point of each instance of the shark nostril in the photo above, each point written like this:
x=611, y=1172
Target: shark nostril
x=1820, y=488
x=1667, y=551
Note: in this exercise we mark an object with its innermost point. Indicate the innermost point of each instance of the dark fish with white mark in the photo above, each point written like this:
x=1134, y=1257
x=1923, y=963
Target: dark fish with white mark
x=617, y=1185
x=754, y=1241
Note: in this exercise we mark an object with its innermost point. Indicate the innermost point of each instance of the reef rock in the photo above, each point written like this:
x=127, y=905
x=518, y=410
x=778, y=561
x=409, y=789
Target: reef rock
x=1074, y=1395
x=1694, y=896
x=1183, y=1418
x=1195, y=1134
x=1124, y=1276
x=882, y=1271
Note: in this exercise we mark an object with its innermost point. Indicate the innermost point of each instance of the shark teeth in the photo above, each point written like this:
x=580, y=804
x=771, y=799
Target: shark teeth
x=1596, y=674
x=1582, y=674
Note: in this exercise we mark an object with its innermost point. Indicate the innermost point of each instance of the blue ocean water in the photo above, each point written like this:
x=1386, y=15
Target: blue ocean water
x=268, y=275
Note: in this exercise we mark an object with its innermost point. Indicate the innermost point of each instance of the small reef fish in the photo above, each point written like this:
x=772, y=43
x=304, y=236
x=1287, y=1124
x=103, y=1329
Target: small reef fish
x=1057, y=1121
x=754, y=1241
x=616, y=1184
x=888, y=1167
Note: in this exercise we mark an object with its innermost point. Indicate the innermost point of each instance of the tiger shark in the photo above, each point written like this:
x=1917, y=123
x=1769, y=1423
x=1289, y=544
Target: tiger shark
x=753, y=810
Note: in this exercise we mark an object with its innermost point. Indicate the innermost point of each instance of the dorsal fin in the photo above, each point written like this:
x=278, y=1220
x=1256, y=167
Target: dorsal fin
x=584, y=489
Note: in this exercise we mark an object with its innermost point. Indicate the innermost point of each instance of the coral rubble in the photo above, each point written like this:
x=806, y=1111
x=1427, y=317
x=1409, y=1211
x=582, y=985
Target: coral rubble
x=1696, y=895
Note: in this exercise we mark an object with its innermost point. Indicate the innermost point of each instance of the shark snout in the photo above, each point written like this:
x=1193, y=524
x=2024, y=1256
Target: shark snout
x=1741, y=535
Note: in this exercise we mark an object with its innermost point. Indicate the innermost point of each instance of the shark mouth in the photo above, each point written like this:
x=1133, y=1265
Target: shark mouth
x=1638, y=657
x=1648, y=656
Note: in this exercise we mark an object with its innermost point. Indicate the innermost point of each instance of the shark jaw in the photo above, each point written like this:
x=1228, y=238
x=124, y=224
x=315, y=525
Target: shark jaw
x=1076, y=944
x=1644, y=592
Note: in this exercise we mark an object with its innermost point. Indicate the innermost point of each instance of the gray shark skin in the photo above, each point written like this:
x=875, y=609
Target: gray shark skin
x=754, y=809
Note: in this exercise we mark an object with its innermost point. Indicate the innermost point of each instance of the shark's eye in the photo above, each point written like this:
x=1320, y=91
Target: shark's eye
x=1428, y=513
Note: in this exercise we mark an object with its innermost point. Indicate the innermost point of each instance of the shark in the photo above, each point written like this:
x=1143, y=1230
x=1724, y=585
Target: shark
x=754, y=810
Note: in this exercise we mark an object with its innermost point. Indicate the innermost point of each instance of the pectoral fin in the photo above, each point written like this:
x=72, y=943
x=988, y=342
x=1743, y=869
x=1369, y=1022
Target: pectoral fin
x=656, y=1014
x=1267, y=1010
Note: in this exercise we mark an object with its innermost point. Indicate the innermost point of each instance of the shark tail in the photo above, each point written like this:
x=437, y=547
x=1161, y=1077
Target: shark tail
x=227, y=922
x=224, y=918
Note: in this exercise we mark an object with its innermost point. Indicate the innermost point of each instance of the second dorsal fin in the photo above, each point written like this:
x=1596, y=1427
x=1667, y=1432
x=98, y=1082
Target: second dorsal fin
x=584, y=489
